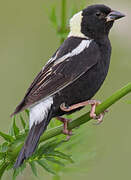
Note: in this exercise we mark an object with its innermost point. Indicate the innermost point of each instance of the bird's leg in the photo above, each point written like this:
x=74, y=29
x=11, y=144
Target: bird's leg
x=65, y=129
x=93, y=104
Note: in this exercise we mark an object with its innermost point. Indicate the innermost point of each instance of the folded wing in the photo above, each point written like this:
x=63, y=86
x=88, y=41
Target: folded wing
x=66, y=66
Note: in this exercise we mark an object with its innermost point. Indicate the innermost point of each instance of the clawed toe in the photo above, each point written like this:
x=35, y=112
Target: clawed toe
x=65, y=129
x=67, y=132
x=99, y=118
x=93, y=115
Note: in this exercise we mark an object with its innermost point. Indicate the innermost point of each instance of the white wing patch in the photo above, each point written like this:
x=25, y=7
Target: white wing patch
x=81, y=47
x=40, y=111
x=50, y=60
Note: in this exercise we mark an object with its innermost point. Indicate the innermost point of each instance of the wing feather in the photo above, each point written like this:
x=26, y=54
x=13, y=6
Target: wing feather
x=59, y=73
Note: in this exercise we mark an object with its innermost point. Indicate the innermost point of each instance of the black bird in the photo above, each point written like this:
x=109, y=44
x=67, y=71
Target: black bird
x=72, y=76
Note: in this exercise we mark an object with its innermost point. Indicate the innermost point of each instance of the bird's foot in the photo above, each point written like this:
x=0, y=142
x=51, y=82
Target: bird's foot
x=100, y=117
x=93, y=104
x=65, y=122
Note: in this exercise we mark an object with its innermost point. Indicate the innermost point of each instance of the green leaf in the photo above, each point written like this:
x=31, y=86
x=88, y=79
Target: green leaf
x=15, y=128
x=45, y=147
x=46, y=166
x=52, y=146
x=16, y=173
x=53, y=160
x=27, y=112
x=61, y=155
x=33, y=167
x=2, y=155
x=23, y=166
x=11, y=131
x=22, y=121
x=6, y=137
x=4, y=147
x=3, y=167
x=10, y=166
x=18, y=170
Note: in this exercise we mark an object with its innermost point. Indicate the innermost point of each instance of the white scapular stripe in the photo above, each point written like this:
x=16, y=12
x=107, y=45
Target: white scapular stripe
x=75, y=26
x=52, y=59
x=81, y=47
x=40, y=111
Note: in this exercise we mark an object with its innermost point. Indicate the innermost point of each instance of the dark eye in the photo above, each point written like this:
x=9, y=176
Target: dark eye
x=98, y=13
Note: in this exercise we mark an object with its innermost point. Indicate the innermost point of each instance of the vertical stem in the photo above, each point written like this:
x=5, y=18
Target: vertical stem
x=63, y=19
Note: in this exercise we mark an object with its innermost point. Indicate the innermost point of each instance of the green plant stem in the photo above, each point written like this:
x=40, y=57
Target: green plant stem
x=84, y=118
x=63, y=19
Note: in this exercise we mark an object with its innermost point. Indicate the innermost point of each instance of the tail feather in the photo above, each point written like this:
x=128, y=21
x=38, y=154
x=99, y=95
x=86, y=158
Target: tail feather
x=32, y=140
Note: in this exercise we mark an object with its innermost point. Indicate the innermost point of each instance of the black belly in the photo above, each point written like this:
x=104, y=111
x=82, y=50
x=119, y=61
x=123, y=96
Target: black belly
x=82, y=89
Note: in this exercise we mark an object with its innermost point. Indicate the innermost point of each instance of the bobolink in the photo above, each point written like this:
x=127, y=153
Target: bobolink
x=72, y=76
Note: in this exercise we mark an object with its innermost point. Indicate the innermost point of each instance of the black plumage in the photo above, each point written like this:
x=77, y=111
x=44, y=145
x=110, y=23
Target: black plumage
x=73, y=75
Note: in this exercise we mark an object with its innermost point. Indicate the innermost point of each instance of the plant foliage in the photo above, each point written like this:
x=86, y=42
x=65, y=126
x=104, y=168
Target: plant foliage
x=46, y=155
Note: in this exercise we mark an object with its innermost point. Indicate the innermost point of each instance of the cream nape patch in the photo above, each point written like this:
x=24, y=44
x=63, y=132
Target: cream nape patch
x=75, y=26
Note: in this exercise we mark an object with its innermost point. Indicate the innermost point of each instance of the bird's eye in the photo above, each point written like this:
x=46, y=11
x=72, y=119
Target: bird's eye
x=98, y=13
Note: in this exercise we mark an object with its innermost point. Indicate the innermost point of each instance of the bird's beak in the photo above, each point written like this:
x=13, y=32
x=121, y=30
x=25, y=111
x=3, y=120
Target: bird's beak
x=114, y=15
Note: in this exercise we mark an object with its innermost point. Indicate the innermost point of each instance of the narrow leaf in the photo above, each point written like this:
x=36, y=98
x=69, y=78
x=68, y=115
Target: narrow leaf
x=4, y=147
x=11, y=131
x=22, y=121
x=6, y=137
x=2, y=155
x=53, y=160
x=10, y=165
x=46, y=166
x=23, y=166
x=52, y=146
x=27, y=112
x=16, y=173
x=61, y=155
x=15, y=128
x=3, y=167
x=33, y=167
x=45, y=147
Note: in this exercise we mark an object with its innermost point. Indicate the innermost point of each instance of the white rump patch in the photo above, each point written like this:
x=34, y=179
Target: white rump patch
x=81, y=47
x=75, y=26
x=40, y=111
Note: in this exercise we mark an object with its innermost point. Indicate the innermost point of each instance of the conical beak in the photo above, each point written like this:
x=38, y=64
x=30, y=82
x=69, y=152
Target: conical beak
x=114, y=15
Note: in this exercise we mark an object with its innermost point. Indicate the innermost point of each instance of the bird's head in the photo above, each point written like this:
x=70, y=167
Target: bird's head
x=94, y=21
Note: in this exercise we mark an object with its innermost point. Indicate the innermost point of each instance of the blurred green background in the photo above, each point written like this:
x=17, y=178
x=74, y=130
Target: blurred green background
x=27, y=41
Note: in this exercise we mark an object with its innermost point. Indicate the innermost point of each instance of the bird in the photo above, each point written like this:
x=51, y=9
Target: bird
x=71, y=77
